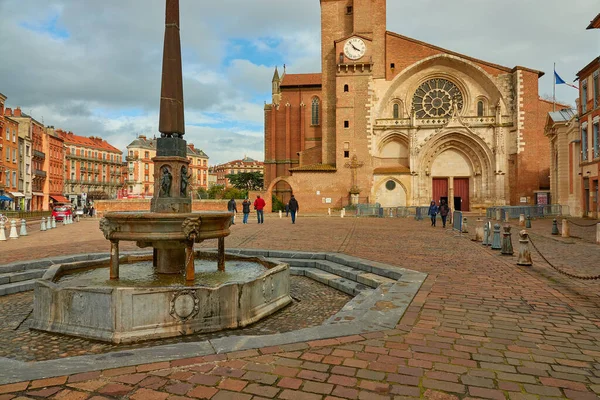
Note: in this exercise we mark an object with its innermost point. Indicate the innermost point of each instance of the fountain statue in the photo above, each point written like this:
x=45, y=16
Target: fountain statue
x=83, y=303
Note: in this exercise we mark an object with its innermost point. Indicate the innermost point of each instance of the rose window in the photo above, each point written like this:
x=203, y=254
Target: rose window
x=435, y=97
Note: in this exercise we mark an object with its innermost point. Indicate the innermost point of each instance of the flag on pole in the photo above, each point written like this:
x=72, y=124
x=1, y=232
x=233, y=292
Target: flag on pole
x=560, y=81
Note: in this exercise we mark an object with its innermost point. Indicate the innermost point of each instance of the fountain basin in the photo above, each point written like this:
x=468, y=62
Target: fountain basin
x=130, y=314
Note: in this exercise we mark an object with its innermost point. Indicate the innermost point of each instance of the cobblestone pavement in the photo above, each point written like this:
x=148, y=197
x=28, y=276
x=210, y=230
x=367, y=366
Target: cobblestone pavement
x=312, y=304
x=480, y=327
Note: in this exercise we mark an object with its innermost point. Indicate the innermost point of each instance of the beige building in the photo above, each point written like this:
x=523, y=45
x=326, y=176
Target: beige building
x=140, y=167
x=246, y=164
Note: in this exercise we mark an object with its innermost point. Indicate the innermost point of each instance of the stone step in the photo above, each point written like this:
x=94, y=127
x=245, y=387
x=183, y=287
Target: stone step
x=335, y=281
x=13, y=277
x=17, y=287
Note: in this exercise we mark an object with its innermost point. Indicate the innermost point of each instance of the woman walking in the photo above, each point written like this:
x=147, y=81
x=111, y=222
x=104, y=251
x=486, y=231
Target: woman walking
x=433, y=210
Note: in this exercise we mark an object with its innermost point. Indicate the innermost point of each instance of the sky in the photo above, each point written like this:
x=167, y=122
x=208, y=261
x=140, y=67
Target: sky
x=93, y=67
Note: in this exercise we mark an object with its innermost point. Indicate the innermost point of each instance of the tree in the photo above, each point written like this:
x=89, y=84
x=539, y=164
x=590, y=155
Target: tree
x=246, y=180
x=216, y=191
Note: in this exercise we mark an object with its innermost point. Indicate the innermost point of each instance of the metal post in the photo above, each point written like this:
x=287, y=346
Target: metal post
x=114, y=259
x=554, y=227
x=479, y=231
x=524, y=253
x=464, y=226
x=507, y=247
x=565, y=228
x=43, y=226
x=490, y=233
x=496, y=245
x=485, y=234
x=522, y=220
x=528, y=222
x=221, y=255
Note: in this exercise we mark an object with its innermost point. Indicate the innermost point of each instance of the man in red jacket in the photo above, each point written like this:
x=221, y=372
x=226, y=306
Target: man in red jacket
x=259, y=204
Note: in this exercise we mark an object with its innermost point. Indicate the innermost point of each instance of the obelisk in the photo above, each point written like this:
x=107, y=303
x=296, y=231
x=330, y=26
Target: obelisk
x=171, y=162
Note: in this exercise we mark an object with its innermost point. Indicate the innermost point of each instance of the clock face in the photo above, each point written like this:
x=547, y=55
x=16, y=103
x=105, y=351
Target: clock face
x=355, y=48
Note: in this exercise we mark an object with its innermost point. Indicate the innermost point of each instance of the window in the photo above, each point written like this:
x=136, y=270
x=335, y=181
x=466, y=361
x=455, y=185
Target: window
x=396, y=112
x=584, y=144
x=8, y=155
x=14, y=136
x=480, y=108
x=14, y=155
x=346, y=88
x=596, y=139
x=390, y=185
x=596, y=89
x=346, y=154
x=434, y=98
x=392, y=65
x=584, y=96
x=7, y=134
x=27, y=151
x=315, y=112
x=346, y=124
x=146, y=154
x=146, y=166
x=349, y=10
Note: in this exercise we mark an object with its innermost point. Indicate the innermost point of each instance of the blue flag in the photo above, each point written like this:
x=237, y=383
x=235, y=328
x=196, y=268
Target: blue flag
x=558, y=80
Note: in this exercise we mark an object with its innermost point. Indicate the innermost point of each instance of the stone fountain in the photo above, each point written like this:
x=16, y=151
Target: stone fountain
x=125, y=312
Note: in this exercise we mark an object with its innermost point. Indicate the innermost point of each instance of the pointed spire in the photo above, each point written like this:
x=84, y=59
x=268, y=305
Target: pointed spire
x=276, y=75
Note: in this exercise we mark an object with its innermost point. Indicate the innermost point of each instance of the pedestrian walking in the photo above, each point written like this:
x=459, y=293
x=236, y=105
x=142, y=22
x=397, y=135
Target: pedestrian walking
x=293, y=208
x=232, y=207
x=432, y=212
x=444, y=210
x=259, y=205
x=246, y=209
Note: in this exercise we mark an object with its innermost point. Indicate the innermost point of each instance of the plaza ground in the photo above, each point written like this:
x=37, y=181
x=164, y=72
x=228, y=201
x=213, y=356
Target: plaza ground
x=480, y=326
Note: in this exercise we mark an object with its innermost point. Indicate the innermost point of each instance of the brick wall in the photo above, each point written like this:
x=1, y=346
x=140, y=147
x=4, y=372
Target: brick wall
x=104, y=206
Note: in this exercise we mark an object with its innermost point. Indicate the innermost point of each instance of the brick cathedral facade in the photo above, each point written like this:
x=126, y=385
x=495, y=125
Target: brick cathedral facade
x=397, y=121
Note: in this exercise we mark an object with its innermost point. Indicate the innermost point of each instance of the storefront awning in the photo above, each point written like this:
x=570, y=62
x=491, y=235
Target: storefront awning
x=38, y=194
x=60, y=199
x=17, y=194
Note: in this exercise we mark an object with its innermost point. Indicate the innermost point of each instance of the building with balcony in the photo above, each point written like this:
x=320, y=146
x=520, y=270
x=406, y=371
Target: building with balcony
x=9, y=160
x=93, y=168
x=54, y=147
x=246, y=164
x=140, y=167
x=32, y=132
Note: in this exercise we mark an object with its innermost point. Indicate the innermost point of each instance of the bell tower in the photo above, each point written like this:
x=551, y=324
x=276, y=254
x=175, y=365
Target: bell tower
x=344, y=112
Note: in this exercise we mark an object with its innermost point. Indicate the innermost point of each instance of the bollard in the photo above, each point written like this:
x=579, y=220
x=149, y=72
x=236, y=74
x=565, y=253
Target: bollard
x=565, y=228
x=342, y=213
x=496, y=245
x=485, y=234
x=490, y=233
x=2, y=232
x=53, y=222
x=528, y=222
x=498, y=214
x=522, y=220
x=13, y=229
x=49, y=223
x=280, y=214
x=478, y=231
x=554, y=227
x=69, y=219
x=329, y=212
x=524, y=253
x=77, y=218
x=598, y=233
x=464, y=226
x=507, y=247
x=507, y=216
x=43, y=226
x=23, y=228
x=64, y=221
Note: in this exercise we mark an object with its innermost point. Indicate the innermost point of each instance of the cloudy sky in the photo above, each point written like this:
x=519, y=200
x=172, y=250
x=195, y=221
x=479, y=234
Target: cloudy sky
x=93, y=66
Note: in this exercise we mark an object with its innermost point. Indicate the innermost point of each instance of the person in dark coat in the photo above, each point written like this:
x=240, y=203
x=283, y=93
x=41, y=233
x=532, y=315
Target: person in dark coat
x=432, y=212
x=444, y=210
x=293, y=207
x=232, y=207
x=246, y=209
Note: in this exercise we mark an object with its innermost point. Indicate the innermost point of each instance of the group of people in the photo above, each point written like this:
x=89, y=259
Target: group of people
x=442, y=209
x=259, y=205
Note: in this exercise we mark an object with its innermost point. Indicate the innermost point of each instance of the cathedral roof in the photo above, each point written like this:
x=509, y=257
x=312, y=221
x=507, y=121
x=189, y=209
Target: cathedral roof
x=454, y=53
x=301, y=80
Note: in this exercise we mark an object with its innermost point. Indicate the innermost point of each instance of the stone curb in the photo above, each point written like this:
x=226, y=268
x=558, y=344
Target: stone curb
x=359, y=316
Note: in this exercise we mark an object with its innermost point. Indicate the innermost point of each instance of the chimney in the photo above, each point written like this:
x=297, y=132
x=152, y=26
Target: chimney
x=18, y=112
x=8, y=112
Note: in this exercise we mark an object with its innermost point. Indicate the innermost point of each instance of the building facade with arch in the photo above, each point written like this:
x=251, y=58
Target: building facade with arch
x=397, y=121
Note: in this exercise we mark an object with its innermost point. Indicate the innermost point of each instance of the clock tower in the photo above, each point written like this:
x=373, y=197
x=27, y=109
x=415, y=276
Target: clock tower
x=353, y=54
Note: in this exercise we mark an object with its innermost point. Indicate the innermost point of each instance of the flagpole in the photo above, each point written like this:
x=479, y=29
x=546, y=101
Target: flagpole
x=554, y=90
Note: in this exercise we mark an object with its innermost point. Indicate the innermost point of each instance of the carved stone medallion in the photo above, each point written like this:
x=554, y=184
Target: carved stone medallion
x=184, y=305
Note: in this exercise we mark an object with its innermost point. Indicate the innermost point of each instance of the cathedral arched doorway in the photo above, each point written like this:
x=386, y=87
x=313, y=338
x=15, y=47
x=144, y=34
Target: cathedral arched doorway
x=390, y=193
x=282, y=191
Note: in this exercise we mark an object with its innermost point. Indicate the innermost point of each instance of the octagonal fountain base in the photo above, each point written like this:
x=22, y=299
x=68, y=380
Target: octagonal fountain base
x=125, y=314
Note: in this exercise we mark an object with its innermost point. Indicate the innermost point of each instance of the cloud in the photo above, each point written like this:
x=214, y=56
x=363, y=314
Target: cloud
x=94, y=67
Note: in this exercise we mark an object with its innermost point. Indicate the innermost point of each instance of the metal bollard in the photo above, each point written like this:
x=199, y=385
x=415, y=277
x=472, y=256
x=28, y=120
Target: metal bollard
x=464, y=226
x=43, y=226
x=554, y=227
x=485, y=234
x=23, y=228
x=478, y=231
x=64, y=221
x=507, y=247
x=524, y=253
x=522, y=220
x=565, y=228
x=496, y=245
x=329, y=212
x=490, y=233
x=528, y=222
x=13, y=229
x=2, y=232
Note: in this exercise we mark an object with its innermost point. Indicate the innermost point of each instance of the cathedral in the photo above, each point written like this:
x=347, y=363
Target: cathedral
x=399, y=122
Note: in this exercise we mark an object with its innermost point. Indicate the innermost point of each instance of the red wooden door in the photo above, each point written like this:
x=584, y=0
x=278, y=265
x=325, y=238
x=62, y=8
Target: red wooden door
x=440, y=189
x=461, y=189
